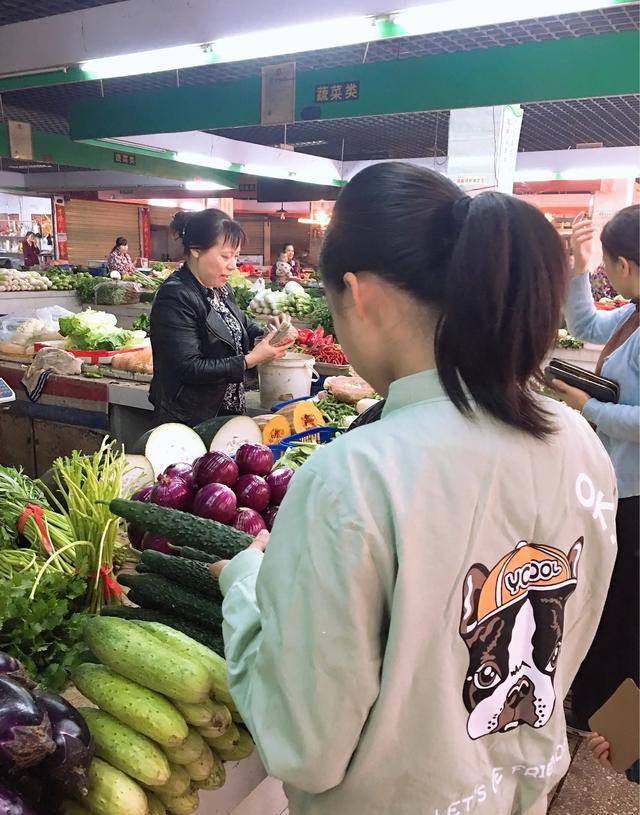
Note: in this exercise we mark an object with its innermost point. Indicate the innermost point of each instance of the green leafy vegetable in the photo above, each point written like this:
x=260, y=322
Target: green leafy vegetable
x=43, y=633
x=142, y=323
x=321, y=316
x=96, y=331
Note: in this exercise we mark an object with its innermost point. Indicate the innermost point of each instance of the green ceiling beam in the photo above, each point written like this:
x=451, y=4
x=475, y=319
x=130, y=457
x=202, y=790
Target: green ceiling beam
x=51, y=148
x=572, y=68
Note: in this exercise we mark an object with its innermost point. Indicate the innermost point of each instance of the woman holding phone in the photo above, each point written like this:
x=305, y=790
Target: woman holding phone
x=615, y=653
x=399, y=646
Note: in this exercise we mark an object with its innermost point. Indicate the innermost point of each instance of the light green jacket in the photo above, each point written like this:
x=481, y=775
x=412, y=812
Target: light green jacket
x=431, y=586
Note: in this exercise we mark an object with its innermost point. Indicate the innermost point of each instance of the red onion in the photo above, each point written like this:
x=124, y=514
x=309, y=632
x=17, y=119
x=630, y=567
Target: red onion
x=215, y=468
x=216, y=502
x=278, y=482
x=144, y=494
x=269, y=516
x=252, y=492
x=254, y=459
x=249, y=521
x=151, y=540
x=183, y=471
x=171, y=492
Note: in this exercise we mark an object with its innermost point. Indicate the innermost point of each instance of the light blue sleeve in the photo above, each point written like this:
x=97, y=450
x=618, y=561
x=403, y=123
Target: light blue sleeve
x=584, y=320
x=302, y=630
x=616, y=421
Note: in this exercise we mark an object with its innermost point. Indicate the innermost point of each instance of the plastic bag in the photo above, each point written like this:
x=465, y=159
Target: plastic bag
x=36, y=326
x=258, y=287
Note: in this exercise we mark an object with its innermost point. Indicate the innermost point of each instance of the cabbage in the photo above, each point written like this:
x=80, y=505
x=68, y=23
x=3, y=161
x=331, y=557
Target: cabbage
x=95, y=331
x=293, y=288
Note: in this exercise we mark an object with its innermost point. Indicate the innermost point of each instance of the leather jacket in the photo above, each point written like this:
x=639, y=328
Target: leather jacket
x=194, y=357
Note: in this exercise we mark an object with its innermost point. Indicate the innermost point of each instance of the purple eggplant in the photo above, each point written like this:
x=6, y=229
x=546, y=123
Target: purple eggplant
x=25, y=729
x=14, y=669
x=69, y=763
x=13, y=804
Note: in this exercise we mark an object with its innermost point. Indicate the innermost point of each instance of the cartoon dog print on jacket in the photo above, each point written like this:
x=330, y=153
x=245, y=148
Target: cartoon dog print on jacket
x=512, y=621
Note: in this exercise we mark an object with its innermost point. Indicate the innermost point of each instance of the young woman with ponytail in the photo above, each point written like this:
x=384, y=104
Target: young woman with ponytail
x=434, y=578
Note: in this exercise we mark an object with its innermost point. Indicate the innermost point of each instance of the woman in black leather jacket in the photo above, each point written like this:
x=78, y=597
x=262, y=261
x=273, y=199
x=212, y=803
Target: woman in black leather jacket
x=202, y=343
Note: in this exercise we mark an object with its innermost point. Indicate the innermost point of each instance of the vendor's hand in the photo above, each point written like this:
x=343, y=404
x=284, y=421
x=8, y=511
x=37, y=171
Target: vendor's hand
x=582, y=244
x=573, y=397
x=264, y=352
x=259, y=543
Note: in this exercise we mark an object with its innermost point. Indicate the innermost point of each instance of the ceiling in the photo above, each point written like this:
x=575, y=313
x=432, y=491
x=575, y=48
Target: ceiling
x=614, y=121
x=17, y=11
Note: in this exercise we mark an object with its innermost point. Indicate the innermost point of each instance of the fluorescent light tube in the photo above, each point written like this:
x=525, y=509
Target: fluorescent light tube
x=201, y=160
x=292, y=39
x=203, y=186
x=147, y=62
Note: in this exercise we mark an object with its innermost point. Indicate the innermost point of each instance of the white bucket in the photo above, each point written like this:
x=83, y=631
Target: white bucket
x=286, y=378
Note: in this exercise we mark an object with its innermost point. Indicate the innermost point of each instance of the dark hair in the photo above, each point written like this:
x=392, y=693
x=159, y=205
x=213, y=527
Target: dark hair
x=288, y=243
x=493, y=265
x=30, y=232
x=621, y=235
x=202, y=230
x=120, y=242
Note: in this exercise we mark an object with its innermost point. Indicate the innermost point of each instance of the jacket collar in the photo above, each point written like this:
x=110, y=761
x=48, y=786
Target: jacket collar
x=215, y=324
x=422, y=387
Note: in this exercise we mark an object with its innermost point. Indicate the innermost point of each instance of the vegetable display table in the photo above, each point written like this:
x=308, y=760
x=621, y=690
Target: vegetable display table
x=125, y=314
x=586, y=357
x=74, y=413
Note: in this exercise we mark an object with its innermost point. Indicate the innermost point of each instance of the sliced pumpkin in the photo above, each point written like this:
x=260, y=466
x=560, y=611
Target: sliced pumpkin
x=274, y=428
x=302, y=416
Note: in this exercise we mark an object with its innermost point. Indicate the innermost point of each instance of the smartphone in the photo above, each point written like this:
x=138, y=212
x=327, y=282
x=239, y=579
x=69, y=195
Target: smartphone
x=6, y=394
x=281, y=334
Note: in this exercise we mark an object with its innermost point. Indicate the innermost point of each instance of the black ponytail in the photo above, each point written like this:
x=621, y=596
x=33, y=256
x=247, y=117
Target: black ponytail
x=120, y=242
x=621, y=235
x=493, y=266
x=202, y=230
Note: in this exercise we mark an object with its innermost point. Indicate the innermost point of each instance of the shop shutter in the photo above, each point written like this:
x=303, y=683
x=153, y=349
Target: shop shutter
x=93, y=226
x=254, y=230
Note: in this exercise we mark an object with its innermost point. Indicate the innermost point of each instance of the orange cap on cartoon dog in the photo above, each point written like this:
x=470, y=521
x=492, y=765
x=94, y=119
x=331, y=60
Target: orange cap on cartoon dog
x=529, y=567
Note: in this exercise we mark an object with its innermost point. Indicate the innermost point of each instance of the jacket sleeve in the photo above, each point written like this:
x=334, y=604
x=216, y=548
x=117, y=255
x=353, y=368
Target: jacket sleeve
x=175, y=337
x=584, y=320
x=617, y=421
x=303, y=636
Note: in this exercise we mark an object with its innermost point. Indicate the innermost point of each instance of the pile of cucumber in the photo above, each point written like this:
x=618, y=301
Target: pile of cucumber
x=177, y=589
x=164, y=721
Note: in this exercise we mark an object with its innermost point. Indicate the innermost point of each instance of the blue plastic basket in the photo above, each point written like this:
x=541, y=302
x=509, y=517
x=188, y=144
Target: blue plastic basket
x=321, y=435
x=280, y=405
x=277, y=450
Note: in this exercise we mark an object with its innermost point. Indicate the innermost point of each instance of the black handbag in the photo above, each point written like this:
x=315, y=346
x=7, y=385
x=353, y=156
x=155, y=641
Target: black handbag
x=604, y=390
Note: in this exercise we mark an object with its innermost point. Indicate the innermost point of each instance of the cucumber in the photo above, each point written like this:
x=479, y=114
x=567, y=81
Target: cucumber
x=202, y=715
x=154, y=591
x=177, y=783
x=182, y=528
x=123, y=748
x=219, y=724
x=185, y=804
x=201, y=768
x=188, y=573
x=214, y=663
x=216, y=777
x=230, y=738
x=140, y=708
x=73, y=808
x=136, y=654
x=156, y=807
x=195, y=554
x=236, y=752
x=112, y=792
x=188, y=751
x=202, y=635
